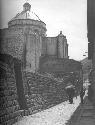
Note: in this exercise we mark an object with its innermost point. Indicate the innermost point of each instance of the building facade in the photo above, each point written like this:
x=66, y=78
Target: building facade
x=91, y=39
x=25, y=39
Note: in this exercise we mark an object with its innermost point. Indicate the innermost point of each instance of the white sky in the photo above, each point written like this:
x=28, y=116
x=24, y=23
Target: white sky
x=68, y=16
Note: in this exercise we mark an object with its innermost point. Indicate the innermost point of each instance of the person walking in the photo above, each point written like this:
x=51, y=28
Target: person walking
x=82, y=93
x=71, y=95
x=90, y=93
x=70, y=92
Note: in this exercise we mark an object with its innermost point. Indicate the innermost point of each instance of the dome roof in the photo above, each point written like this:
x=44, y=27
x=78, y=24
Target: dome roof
x=26, y=13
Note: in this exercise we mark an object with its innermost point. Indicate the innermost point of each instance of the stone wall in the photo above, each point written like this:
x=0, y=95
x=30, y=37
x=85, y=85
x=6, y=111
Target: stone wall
x=33, y=50
x=9, y=107
x=51, y=44
x=56, y=65
x=12, y=42
x=43, y=92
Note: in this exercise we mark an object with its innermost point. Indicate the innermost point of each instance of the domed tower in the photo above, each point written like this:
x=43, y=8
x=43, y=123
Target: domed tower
x=62, y=46
x=31, y=29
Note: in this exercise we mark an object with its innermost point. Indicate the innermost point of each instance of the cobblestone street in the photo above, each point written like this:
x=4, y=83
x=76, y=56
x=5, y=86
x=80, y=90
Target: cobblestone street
x=57, y=115
x=64, y=114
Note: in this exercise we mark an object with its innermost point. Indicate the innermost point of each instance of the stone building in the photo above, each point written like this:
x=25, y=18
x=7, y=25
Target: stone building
x=25, y=39
x=55, y=46
x=91, y=39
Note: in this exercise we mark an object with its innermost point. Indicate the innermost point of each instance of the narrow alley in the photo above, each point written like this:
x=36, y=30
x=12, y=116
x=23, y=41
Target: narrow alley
x=47, y=62
x=57, y=115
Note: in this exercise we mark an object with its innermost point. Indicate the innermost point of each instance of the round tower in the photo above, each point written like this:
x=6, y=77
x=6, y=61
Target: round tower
x=32, y=31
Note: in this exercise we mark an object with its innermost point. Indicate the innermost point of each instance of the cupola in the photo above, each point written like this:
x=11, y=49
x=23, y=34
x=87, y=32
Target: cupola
x=26, y=7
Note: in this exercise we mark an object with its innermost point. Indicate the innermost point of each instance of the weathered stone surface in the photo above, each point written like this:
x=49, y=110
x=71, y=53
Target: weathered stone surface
x=12, y=42
x=9, y=106
x=43, y=91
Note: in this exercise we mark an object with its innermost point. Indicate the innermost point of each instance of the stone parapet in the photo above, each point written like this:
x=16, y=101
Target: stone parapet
x=24, y=22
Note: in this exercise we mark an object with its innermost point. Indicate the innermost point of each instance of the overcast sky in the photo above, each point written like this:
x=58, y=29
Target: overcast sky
x=68, y=16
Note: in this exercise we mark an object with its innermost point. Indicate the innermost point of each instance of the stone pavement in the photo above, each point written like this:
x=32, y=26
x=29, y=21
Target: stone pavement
x=56, y=115
x=84, y=115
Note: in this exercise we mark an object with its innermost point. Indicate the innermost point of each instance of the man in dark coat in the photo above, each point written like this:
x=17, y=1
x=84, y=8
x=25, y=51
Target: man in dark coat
x=82, y=93
x=71, y=92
